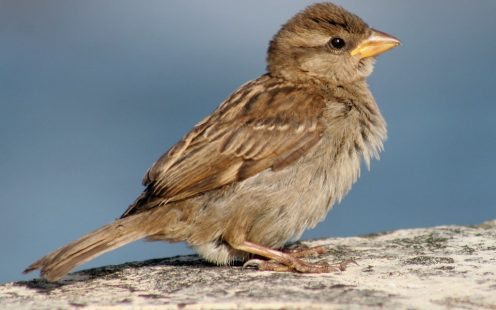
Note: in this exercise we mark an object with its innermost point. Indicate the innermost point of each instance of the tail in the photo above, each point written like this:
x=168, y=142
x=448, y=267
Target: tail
x=58, y=263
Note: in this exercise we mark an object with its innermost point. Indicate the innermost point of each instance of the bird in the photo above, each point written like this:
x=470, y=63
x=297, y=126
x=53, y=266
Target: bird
x=269, y=162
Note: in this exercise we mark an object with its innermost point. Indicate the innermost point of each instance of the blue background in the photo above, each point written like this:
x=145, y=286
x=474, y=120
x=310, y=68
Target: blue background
x=92, y=92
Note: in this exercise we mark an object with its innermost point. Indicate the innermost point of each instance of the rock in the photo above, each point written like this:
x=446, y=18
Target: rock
x=432, y=268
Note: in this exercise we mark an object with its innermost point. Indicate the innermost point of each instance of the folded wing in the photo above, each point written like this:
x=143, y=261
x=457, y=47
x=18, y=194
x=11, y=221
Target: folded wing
x=264, y=125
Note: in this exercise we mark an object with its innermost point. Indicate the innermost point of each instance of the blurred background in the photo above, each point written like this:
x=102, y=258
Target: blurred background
x=92, y=92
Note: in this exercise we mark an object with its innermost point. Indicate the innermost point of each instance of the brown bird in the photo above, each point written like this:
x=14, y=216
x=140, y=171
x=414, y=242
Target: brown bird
x=269, y=162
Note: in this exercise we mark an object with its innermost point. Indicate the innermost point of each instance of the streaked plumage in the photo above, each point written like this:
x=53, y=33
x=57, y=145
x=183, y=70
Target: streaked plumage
x=269, y=162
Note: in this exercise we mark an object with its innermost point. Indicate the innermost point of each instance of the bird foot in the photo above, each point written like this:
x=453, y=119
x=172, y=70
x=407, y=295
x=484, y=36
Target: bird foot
x=265, y=265
x=298, y=266
x=281, y=261
x=302, y=251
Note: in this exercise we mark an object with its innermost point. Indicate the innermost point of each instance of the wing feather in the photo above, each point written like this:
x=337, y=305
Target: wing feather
x=264, y=125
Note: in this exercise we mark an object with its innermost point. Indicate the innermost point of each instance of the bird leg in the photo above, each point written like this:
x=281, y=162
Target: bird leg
x=280, y=261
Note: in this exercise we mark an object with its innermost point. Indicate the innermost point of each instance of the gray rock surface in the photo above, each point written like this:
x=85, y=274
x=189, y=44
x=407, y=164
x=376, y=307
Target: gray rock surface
x=446, y=267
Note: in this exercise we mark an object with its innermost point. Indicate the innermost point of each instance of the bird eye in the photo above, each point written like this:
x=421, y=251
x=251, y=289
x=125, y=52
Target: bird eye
x=337, y=43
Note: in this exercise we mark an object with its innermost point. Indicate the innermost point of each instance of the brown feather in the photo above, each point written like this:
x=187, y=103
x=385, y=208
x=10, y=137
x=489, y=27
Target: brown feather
x=269, y=163
x=111, y=236
x=279, y=126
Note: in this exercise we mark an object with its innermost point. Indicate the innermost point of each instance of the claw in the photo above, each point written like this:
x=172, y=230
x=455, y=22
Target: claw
x=344, y=264
x=253, y=263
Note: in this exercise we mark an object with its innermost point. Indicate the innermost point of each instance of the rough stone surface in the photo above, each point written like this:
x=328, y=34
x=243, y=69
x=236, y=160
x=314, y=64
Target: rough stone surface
x=447, y=267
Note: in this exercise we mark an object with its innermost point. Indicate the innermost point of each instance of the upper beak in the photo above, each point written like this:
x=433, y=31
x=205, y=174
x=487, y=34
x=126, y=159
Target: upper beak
x=377, y=43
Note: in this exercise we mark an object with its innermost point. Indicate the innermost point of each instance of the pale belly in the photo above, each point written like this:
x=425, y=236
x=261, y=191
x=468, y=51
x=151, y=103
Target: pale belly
x=300, y=197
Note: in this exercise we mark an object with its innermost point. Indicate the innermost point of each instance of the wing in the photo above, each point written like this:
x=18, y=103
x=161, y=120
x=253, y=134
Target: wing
x=266, y=124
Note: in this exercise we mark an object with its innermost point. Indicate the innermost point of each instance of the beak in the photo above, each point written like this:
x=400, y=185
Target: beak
x=377, y=43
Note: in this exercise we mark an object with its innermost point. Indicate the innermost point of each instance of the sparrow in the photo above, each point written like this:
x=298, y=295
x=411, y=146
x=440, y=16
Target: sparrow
x=269, y=162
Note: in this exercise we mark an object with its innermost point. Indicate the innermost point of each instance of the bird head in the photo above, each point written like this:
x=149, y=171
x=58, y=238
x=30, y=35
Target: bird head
x=325, y=42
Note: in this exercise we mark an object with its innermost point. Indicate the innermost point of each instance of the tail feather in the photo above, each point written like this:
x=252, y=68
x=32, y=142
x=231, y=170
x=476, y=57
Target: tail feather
x=58, y=263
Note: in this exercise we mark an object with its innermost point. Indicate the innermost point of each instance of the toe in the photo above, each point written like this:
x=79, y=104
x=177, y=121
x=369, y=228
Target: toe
x=344, y=264
x=304, y=251
x=253, y=263
x=264, y=265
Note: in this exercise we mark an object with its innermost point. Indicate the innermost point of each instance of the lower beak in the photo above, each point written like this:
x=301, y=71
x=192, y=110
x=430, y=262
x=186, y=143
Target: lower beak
x=377, y=43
